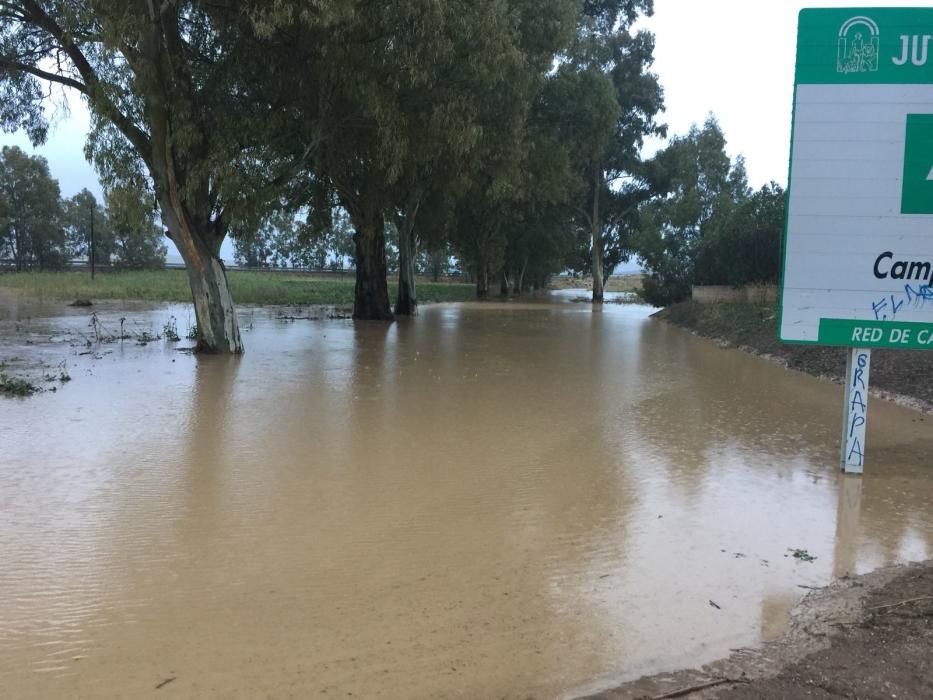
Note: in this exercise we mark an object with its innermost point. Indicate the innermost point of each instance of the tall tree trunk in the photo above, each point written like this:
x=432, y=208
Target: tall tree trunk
x=407, y=300
x=371, y=300
x=520, y=279
x=218, y=329
x=597, y=230
x=436, y=263
x=18, y=252
x=504, y=284
x=482, y=280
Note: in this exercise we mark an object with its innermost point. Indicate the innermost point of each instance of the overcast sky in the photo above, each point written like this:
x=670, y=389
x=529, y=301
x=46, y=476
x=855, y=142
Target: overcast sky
x=734, y=58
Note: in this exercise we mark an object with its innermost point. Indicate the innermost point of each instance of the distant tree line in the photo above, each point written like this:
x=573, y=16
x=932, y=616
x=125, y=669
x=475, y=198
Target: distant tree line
x=689, y=216
x=283, y=242
x=400, y=134
x=40, y=230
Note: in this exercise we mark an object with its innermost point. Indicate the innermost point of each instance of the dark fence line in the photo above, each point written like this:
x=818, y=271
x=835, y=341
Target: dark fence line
x=7, y=265
x=79, y=265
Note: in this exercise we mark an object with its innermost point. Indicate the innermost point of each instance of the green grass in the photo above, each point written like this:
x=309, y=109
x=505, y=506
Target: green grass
x=738, y=323
x=16, y=386
x=267, y=288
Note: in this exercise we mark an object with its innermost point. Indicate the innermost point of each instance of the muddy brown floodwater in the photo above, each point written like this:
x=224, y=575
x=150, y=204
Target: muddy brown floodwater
x=490, y=501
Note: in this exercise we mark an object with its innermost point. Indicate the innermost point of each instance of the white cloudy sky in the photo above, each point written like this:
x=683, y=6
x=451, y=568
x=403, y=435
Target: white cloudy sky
x=734, y=58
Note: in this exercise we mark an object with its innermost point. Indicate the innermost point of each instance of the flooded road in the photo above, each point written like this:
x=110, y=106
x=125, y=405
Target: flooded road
x=490, y=501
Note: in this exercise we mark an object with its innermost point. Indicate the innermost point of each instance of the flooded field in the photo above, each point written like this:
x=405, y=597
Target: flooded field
x=489, y=501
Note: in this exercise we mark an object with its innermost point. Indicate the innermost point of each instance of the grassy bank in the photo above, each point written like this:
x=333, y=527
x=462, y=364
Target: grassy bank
x=754, y=326
x=247, y=287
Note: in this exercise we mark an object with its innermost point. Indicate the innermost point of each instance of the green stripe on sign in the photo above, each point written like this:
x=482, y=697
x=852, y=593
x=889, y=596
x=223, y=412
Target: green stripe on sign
x=866, y=45
x=876, y=334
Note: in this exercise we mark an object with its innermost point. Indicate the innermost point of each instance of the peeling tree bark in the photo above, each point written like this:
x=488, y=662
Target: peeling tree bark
x=218, y=328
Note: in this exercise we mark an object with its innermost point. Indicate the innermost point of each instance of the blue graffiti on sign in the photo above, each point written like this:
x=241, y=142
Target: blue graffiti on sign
x=887, y=307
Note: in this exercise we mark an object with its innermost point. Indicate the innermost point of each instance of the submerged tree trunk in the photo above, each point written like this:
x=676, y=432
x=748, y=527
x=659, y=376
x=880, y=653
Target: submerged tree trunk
x=218, y=329
x=371, y=300
x=406, y=301
x=597, y=230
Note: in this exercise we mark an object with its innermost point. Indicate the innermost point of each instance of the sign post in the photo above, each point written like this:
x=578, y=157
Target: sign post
x=858, y=242
x=855, y=410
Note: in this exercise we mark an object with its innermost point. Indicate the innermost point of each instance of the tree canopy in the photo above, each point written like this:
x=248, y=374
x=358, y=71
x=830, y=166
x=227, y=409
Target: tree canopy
x=40, y=230
x=708, y=228
x=31, y=233
x=506, y=135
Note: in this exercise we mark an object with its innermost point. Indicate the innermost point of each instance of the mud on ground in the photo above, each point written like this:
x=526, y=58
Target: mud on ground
x=905, y=374
x=869, y=636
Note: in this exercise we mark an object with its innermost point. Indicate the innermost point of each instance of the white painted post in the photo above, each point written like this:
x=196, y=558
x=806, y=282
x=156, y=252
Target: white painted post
x=855, y=412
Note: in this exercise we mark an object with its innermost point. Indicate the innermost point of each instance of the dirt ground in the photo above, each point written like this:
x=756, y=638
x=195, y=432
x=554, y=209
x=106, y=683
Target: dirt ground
x=862, y=637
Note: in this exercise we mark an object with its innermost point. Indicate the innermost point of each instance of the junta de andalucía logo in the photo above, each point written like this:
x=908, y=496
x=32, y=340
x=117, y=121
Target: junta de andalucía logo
x=859, y=46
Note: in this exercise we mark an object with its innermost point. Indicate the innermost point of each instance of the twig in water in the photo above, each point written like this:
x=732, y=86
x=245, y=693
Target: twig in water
x=903, y=602
x=164, y=683
x=697, y=688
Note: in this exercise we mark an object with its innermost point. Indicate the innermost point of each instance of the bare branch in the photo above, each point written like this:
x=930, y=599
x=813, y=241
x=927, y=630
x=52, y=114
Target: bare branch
x=44, y=75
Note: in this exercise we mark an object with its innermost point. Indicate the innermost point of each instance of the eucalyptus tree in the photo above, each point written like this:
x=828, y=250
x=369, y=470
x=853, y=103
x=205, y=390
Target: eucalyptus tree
x=137, y=238
x=164, y=84
x=472, y=116
x=403, y=102
x=86, y=221
x=745, y=246
x=539, y=227
x=704, y=187
x=424, y=221
x=30, y=211
x=610, y=101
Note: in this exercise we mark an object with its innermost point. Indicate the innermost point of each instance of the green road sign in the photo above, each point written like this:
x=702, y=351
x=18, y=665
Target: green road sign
x=858, y=245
